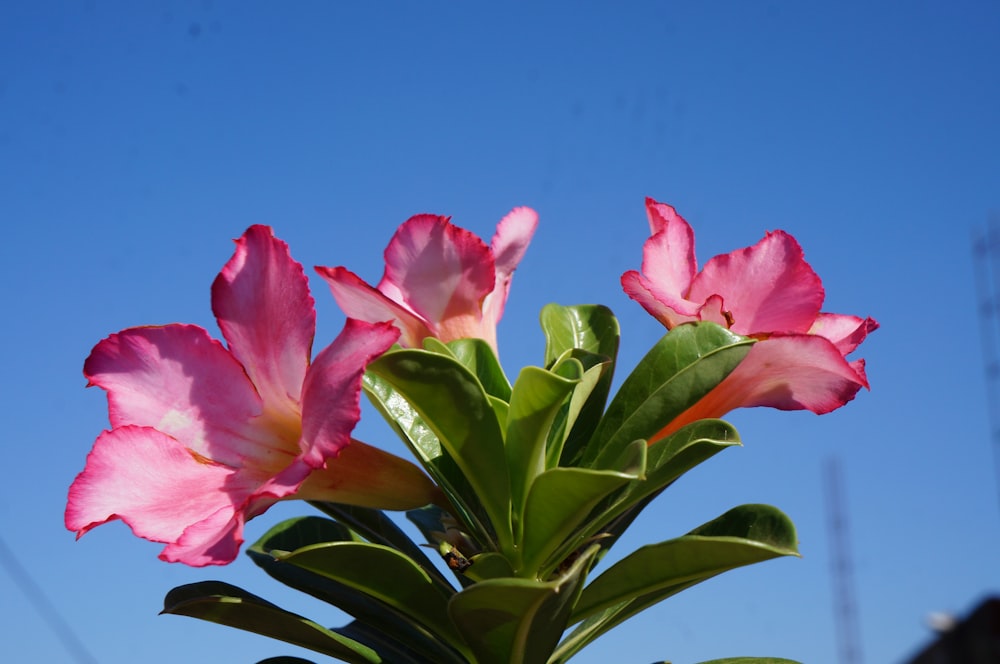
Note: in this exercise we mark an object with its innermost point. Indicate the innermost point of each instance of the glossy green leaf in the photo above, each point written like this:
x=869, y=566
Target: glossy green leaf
x=666, y=461
x=518, y=621
x=599, y=521
x=679, y=370
x=589, y=327
x=568, y=367
x=742, y=536
x=479, y=358
x=409, y=424
x=502, y=410
x=385, y=640
x=489, y=565
x=384, y=574
x=376, y=527
x=560, y=500
x=225, y=604
x=537, y=396
x=452, y=404
x=590, y=333
x=581, y=411
x=298, y=533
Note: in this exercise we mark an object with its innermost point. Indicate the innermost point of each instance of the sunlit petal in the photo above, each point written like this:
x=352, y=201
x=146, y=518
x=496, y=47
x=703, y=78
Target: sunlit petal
x=766, y=287
x=441, y=270
x=262, y=302
x=359, y=300
x=332, y=393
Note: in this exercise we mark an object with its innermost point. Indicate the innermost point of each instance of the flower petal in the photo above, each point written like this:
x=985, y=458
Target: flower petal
x=768, y=287
x=658, y=304
x=332, y=391
x=514, y=233
x=669, y=260
x=159, y=489
x=788, y=372
x=262, y=302
x=363, y=302
x=182, y=382
x=845, y=332
x=442, y=271
x=668, y=265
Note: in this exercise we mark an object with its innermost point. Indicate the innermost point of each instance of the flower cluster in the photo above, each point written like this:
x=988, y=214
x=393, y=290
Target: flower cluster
x=521, y=486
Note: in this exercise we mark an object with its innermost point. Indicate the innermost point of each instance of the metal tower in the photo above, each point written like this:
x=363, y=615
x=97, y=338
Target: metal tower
x=986, y=262
x=842, y=572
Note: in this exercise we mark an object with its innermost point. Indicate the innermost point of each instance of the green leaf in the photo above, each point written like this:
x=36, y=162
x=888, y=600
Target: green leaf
x=225, y=604
x=518, y=621
x=742, y=536
x=377, y=528
x=679, y=370
x=560, y=500
x=502, y=410
x=582, y=410
x=452, y=404
x=489, y=565
x=589, y=327
x=666, y=460
x=384, y=640
x=589, y=333
x=478, y=357
x=537, y=396
x=384, y=574
x=298, y=533
x=597, y=523
x=409, y=424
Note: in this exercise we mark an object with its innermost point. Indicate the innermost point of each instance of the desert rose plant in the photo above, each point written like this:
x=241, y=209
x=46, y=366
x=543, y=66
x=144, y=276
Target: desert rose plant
x=521, y=486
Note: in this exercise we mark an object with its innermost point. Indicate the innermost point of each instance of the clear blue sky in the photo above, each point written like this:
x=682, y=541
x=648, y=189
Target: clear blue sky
x=137, y=139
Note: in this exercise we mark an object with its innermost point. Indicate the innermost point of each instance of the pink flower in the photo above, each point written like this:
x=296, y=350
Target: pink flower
x=440, y=280
x=767, y=292
x=204, y=438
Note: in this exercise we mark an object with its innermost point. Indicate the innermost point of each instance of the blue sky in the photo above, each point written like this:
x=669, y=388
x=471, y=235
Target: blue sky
x=137, y=139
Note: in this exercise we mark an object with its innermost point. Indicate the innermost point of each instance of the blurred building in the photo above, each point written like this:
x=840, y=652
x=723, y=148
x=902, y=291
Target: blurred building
x=974, y=640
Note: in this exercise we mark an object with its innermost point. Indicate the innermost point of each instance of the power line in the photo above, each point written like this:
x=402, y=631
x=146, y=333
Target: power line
x=48, y=612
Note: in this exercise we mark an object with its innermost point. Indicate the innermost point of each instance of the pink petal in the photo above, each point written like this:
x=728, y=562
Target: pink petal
x=668, y=265
x=359, y=300
x=793, y=372
x=332, y=390
x=262, y=302
x=182, y=382
x=845, y=332
x=510, y=242
x=441, y=271
x=215, y=540
x=640, y=289
x=668, y=258
x=768, y=287
x=161, y=490
x=513, y=234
